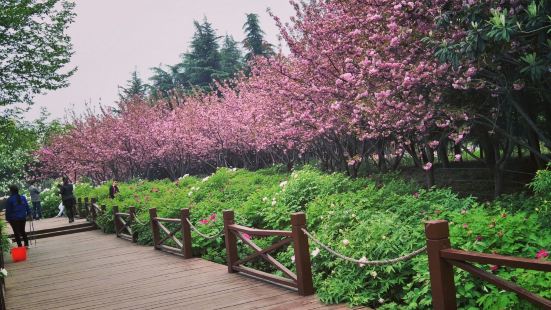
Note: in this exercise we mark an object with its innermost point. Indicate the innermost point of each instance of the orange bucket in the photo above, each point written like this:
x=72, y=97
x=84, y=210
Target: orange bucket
x=19, y=254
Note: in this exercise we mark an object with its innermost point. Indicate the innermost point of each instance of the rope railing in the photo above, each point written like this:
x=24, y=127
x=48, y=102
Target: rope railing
x=365, y=262
x=140, y=222
x=213, y=236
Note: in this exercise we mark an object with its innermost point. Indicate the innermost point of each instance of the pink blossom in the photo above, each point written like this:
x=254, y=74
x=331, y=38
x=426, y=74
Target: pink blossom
x=518, y=85
x=427, y=166
x=457, y=157
x=204, y=221
x=542, y=254
x=246, y=236
x=434, y=144
x=213, y=217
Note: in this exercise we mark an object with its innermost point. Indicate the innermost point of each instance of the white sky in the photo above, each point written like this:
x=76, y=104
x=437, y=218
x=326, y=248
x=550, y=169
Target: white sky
x=111, y=38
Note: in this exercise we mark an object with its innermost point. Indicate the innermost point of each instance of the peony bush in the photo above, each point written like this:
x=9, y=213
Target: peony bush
x=357, y=217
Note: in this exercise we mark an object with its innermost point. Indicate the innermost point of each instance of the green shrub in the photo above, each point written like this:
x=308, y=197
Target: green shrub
x=50, y=200
x=379, y=220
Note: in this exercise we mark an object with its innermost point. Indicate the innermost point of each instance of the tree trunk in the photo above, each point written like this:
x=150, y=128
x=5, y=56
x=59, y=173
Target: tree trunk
x=443, y=153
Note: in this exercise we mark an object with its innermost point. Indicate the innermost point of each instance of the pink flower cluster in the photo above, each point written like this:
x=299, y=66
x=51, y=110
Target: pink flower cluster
x=358, y=75
x=211, y=218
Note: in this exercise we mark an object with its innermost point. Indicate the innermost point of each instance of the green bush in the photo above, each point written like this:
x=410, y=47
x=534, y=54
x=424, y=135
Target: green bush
x=50, y=201
x=377, y=221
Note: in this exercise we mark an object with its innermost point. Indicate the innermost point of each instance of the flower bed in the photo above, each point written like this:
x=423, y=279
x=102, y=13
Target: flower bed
x=358, y=218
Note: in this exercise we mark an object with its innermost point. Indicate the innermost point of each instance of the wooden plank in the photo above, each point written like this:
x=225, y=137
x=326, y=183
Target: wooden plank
x=495, y=259
x=503, y=284
x=260, y=232
x=91, y=270
x=162, y=219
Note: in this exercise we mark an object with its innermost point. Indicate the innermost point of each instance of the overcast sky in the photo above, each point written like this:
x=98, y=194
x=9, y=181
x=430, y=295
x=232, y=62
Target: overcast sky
x=111, y=38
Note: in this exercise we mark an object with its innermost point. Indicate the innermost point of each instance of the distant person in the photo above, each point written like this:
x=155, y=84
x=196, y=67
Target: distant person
x=113, y=190
x=68, y=198
x=35, y=200
x=17, y=211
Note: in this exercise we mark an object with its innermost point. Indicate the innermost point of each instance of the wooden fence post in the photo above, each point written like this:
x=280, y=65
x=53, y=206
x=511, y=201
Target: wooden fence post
x=154, y=228
x=441, y=272
x=186, y=234
x=230, y=239
x=131, y=220
x=93, y=213
x=117, y=222
x=302, y=255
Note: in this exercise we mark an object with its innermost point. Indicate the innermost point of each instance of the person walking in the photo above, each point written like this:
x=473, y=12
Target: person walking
x=17, y=212
x=35, y=200
x=68, y=198
x=113, y=190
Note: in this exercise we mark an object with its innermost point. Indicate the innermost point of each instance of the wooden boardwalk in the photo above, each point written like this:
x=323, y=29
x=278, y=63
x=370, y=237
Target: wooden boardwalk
x=50, y=223
x=92, y=270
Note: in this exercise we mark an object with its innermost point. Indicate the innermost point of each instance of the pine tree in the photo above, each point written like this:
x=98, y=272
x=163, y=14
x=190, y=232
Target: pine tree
x=202, y=62
x=254, y=38
x=135, y=87
x=165, y=82
x=230, y=58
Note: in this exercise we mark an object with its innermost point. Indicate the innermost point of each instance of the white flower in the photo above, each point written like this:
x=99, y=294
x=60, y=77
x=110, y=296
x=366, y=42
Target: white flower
x=264, y=199
x=537, y=209
x=373, y=274
x=381, y=301
x=345, y=242
x=206, y=178
x=273, y=202
x=3, y=272
x=363, y=260
x=293, y=259
x=353, y=215
x=282, y=184
x=234, y=169
x=315, y=252
x=189, y=194
x=384, y=237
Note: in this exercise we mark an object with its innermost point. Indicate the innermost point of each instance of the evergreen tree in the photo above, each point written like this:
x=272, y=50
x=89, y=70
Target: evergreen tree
x=135, y=87
x=165, y=82
x=230, y=58
x=254, y=38
x=202, y=63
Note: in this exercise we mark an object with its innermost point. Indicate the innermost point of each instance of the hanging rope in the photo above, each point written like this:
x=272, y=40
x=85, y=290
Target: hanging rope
x=140, y=222
x=214, y=236
x=362, y=261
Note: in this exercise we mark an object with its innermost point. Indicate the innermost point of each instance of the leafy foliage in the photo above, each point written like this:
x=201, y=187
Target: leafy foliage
x=378, y=221
x=34, y=48
x=19, y=141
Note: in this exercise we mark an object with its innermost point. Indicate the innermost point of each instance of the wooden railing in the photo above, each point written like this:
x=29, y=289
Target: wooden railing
x=90, y=208
x=183, y=246
x=123, y=223
x=301, y=281
x=442, y=258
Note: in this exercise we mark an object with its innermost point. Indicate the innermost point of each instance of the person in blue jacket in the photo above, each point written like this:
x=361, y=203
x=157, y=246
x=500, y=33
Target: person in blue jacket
x=17, y=211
